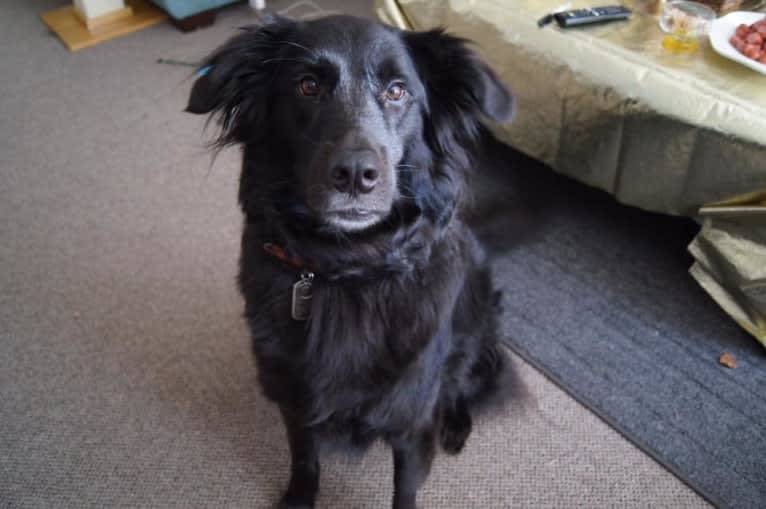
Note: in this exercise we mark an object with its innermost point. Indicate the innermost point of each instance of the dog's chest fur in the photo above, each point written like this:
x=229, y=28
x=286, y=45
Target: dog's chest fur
x=368, y=354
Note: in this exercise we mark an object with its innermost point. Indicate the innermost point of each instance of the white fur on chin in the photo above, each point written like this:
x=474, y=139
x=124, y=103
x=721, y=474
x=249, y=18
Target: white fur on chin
x=354, y=225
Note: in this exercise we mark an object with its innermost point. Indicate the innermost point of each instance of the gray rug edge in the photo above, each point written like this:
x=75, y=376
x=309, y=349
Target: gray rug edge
x=611, y=422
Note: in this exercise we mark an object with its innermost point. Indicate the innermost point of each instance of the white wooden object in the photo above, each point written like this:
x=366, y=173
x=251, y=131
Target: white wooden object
x=96, y=8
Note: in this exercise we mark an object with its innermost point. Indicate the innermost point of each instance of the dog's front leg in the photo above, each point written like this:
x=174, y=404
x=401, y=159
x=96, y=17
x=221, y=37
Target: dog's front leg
x=412, y=463
x=304, y=465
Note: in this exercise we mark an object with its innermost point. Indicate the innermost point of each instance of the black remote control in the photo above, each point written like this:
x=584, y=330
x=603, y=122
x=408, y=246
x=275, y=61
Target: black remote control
x=579, y=17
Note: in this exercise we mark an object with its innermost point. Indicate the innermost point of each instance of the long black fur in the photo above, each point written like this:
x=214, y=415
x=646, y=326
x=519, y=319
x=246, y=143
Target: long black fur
x=401, y=343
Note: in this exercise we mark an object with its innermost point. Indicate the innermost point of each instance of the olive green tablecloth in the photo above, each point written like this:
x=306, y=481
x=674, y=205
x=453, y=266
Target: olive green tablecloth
x=607, y=105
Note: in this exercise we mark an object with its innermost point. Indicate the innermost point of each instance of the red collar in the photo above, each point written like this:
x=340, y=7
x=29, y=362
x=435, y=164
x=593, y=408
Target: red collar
x=281, y=254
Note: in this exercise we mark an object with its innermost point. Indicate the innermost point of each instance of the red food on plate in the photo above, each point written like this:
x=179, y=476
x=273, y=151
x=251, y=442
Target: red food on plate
x=752, y=51
x=750, y=40
x=742, y=31
x=754, y=38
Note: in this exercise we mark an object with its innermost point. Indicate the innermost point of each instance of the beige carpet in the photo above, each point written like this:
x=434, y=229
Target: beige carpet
x=125, y=371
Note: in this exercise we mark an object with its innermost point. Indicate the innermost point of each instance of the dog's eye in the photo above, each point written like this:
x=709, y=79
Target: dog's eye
x=396, y=92
x=308, y=86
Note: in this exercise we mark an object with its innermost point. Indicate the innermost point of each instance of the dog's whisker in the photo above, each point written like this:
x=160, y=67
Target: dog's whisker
x=301, y=46
x=284, y=59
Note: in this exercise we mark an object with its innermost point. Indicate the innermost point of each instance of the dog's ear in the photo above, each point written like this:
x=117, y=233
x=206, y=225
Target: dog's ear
x=205, y=93
x=456, y=79
x=460, y=90
x=233, y=81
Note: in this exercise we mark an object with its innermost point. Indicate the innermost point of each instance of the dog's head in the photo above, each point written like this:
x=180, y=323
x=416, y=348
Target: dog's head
x=342, y=118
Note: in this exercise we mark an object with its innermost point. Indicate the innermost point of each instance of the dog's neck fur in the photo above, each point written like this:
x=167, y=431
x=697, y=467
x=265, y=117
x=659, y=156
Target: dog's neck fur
x=400, y=245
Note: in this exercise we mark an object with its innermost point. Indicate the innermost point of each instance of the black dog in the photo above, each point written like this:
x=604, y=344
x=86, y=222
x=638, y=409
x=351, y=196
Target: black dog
x=369, y=300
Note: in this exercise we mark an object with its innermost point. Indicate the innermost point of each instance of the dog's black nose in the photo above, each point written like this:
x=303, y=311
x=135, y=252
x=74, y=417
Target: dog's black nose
x=356, y=172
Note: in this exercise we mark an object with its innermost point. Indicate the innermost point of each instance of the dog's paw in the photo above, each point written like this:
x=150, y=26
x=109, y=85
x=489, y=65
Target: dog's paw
x=454, y=432
x=297, y=500
x=289, y=502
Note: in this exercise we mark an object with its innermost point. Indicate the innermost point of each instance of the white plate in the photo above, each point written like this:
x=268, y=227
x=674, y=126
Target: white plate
x=723, y=28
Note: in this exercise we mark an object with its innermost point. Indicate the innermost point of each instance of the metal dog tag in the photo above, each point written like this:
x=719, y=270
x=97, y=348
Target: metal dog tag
x=301, y=305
